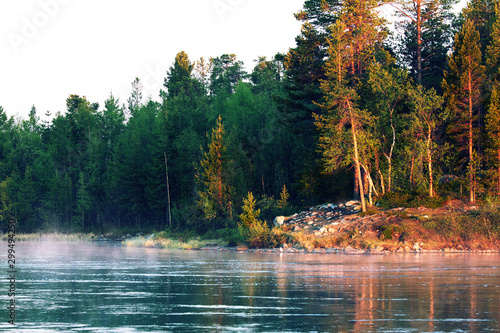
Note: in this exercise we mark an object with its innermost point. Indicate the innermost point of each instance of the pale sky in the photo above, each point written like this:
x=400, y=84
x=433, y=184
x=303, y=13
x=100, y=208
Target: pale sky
x=54, y=48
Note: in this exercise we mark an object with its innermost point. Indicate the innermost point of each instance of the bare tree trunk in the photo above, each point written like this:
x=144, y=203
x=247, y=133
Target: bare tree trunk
x=356, y=158
x=498, y=152
x=356, y=195
x=389, y=158
x=169, y=211
x=371, y=187
x=412, y=167
x=429, y=161
x=377, y=165
x=471, y=148
x=419, y=40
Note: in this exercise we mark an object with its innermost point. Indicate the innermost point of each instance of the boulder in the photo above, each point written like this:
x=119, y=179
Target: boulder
x=279, y=220
x=352, y=203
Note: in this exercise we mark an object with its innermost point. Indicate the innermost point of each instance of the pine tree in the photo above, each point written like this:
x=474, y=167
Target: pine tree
x=482, y=15
x=341, y=124
x=426, y=37
x=227, y=71
x=215, y=177
x=463, y=92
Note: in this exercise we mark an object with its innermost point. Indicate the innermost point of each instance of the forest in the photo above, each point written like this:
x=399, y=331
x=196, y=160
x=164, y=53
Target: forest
x=357, y=109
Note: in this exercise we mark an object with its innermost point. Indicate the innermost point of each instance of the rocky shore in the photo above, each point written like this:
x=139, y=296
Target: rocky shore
x=342, y=228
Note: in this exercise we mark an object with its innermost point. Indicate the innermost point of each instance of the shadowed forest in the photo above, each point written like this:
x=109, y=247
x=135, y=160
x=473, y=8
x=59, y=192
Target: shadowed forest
x=357, y=109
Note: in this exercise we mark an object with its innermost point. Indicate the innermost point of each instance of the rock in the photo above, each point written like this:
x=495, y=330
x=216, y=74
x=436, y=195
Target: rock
x=150, y=237
x=242, y=248
x=279, y=220
x=352, y=203
x=417, y=247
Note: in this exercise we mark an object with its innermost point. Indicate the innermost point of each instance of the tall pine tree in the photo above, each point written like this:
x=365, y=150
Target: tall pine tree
x=463, y=91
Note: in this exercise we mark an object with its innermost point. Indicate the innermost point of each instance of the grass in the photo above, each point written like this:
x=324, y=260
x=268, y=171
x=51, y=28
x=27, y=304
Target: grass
x=54, y=237
x=161, y=241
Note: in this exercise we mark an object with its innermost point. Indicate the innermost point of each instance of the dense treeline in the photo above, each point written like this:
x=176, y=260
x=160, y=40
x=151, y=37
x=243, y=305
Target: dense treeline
x=353, y=110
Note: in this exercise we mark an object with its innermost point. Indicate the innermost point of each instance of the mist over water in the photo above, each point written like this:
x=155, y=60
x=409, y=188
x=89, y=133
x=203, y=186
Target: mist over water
x=83, y=287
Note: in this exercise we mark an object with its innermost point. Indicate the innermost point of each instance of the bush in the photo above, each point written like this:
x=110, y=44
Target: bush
x=259, y=235
x=389, y=231
x=409, y=199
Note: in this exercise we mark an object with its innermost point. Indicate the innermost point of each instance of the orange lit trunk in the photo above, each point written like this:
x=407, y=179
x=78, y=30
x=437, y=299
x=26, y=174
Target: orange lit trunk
x=356, y=159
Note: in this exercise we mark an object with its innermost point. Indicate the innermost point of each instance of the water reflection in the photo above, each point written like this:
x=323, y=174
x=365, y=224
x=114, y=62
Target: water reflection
x=82, y=287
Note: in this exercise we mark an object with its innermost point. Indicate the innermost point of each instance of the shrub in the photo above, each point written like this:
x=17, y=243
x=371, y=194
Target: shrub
x=409, y=199
x=388, y=231
x=259, y=235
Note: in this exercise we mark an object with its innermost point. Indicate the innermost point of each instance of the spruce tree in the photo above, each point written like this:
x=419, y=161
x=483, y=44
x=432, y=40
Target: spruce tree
x=250, y=215
x=215, y=177
x=83, y=204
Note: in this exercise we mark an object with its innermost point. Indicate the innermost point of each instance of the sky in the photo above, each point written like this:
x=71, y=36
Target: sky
x=51, y=49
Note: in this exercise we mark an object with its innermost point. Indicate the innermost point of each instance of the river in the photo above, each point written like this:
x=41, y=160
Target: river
x=83, y=287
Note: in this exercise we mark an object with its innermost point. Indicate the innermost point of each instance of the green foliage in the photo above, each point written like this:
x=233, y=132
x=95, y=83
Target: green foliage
x=425, y=54
x=463, y=85
x=250, y=215
x=215, y=177
x=283, y=200
x=334, y=106
x=389, y=231
x=409, y=199
x=259, y=235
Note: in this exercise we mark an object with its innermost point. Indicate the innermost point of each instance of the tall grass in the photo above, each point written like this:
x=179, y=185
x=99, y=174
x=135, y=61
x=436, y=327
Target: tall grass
x=52, y=237
x=160, y=242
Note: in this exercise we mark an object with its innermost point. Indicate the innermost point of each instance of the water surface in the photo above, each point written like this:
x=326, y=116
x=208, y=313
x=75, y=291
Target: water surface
x=82, y=287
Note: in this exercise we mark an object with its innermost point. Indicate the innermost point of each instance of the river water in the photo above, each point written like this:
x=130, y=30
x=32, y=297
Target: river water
x=82, y=287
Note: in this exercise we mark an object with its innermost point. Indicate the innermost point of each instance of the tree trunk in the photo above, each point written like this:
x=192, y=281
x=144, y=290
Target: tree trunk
x=412, y=167
x=356, y=184
x=419, y=41
x=169, y=211
x=498, y=156
x=371, y=186
x=471, y=148
x=356, y=158
x=377, y=165
x=429, y=161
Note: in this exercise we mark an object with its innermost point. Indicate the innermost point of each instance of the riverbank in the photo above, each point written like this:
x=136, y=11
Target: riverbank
x=454, y=227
